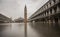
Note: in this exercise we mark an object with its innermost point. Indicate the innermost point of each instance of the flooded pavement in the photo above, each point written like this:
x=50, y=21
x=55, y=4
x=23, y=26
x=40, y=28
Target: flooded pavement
x=12, y=30
x=33, y=30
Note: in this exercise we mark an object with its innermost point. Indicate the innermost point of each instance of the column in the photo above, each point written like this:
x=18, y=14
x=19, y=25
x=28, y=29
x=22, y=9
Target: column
x=52, y=2
x=58, y=9
x=48, y=4
x=52, y=11
x=50, y=22
x=56, y=23
x=56, y=20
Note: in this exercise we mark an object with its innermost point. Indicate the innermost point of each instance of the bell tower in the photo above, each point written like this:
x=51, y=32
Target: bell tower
x=25, y=20
x=25, y=14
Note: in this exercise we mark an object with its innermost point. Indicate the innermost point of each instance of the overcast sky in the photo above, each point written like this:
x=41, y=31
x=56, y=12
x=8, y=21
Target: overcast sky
x=15, y=8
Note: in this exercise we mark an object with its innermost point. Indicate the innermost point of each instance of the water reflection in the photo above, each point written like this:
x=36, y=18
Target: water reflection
x=47, y=30
x=12, y=30
x=33, y=30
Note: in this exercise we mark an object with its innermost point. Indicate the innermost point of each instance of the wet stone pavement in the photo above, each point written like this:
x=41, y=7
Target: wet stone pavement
x=33, y=30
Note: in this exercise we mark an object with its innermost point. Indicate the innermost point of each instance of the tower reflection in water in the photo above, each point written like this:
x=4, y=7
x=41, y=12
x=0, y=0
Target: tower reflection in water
x=33, y=30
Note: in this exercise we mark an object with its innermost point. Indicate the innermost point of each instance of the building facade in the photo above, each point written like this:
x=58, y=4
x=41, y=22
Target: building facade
x=48, y=13
x=4, y=19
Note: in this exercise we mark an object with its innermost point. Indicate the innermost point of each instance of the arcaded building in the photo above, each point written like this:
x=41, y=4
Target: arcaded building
x=48, y=13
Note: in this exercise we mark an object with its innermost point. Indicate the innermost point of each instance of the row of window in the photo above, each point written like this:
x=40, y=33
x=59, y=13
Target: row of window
x=51, y=11
x=48, y=4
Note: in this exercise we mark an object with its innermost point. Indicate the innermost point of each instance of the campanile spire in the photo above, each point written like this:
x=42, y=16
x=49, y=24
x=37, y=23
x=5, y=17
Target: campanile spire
x=25, y=14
